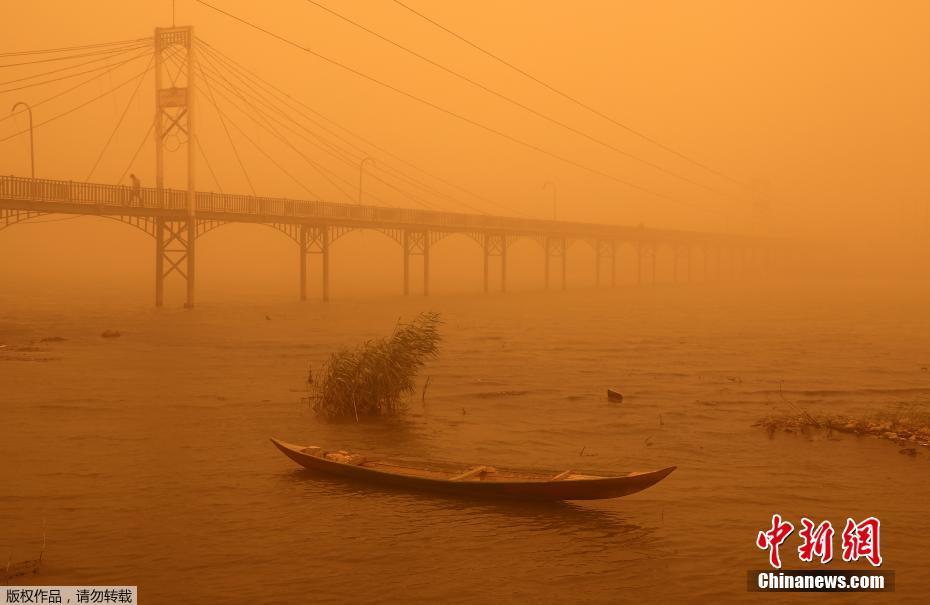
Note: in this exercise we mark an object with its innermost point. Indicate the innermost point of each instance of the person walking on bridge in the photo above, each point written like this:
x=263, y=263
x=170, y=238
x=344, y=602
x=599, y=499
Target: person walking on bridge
x=136, y=189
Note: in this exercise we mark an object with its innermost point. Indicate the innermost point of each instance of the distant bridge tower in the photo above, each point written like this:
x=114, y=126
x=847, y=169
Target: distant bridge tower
x=174, y=129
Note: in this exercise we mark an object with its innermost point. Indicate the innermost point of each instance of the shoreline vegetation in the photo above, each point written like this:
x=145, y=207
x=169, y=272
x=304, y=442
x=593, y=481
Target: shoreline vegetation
x=375, y=378
x=906, y=425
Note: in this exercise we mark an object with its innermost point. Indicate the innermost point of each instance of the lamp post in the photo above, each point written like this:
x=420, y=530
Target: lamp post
x=32, y=149
x=551, y=184
x=361, y=172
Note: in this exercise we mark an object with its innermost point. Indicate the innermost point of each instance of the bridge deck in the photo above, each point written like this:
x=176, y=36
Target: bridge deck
x=72, y=197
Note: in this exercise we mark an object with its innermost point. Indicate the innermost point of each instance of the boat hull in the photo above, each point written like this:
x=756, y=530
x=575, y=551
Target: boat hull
x=566, y=489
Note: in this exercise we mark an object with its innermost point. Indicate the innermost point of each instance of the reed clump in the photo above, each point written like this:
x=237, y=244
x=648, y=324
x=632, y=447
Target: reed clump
x=906, y=424
x=374, y=378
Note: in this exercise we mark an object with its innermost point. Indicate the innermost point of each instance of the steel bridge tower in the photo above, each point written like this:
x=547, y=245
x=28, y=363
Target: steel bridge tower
x=174, y=129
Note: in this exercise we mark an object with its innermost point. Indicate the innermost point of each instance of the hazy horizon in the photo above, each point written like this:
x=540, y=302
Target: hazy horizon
x=818, y=109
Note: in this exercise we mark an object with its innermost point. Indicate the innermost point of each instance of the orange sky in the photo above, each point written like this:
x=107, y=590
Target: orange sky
x=824, y=104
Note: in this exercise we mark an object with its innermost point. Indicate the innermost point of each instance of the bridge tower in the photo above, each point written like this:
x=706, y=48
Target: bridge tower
x=174, y=129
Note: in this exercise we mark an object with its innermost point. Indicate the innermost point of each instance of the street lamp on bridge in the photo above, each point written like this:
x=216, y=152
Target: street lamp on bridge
x=361, y=171
x=551, y=184
x=32, y=149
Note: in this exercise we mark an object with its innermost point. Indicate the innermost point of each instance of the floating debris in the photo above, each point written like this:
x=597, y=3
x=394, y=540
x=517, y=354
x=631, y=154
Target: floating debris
x=496, y=394
x=581, y=453
x=614, y=396
x=904, y=428
x=110, y=334
x=19, y=569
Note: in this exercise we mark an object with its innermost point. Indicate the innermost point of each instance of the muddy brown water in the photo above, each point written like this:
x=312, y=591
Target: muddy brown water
x=146, y=457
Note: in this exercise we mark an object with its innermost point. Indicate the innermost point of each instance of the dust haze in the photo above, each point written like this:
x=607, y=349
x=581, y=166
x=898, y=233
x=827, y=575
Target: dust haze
x=817, y=111
x=785, y=371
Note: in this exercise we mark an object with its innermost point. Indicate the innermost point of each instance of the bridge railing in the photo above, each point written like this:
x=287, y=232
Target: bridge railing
x=238, y=204
x=90, y=194
x=269, y=209
x=283, y=207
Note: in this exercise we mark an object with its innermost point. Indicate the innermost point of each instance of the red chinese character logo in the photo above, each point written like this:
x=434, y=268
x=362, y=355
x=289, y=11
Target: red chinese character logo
x=861, y=540
x=817, y=541
x=770, y=540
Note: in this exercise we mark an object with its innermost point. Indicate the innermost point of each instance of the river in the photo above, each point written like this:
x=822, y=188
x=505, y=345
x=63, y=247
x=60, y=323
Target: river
x=145, y=458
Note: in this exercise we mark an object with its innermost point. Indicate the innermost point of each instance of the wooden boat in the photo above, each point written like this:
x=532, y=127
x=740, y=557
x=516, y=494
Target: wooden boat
x=481, y=481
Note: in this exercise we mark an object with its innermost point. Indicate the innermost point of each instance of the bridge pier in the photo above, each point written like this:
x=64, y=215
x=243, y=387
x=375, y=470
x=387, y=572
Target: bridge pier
x=426, y=264
x=503, y=264
x=495, y=245
x=613, y=263
x=159, y=262
x=546, y=252
x=605, y=250
x=704, y=255
x=688, y=261
x=174, y=244
x=191, y=251
x=556, y=247
x=302, y=251
x=487, y=262
x=325, y=257
x=416, y=243
x=314, y=240
x=654, y=254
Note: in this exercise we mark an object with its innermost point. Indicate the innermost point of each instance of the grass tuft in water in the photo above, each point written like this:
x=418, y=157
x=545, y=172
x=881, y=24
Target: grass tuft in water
x=374, y=378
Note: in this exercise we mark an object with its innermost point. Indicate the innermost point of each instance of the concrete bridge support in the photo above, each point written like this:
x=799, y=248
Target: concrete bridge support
x=645, y=249
x=705, y=255
x=679, y=251
x=556, y=247
x=654, y=251
x=314, y=240
x=688, y=261
x=605, y=250
x=613, y=263
x=495, y=244
x=416, y=243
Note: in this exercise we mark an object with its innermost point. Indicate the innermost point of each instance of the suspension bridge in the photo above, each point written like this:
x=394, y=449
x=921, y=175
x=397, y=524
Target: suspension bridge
x=189, y=74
